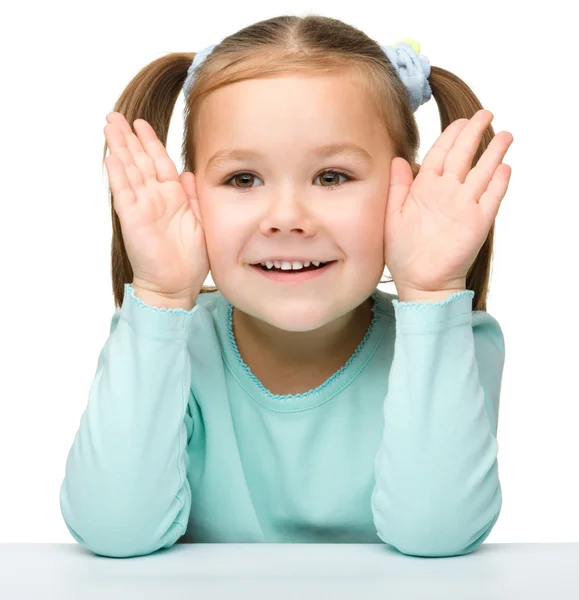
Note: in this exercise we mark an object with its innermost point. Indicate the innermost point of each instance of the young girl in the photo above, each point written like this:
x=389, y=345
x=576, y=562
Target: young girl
x=295, y=401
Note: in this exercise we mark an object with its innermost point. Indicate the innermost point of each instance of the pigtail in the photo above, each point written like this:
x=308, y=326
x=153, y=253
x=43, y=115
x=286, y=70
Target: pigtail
x=456, y=100
x=150, y=95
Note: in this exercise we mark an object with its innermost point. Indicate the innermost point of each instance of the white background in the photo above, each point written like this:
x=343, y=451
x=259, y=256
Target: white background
x=64, y=65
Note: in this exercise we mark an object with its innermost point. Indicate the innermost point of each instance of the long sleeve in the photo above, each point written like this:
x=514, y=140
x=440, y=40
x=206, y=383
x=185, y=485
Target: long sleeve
x=437, y=489
x=125, y=491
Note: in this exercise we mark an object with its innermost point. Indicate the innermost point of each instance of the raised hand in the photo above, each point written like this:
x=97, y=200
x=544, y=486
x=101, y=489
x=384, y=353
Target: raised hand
x=436, y=224
x=158, y=211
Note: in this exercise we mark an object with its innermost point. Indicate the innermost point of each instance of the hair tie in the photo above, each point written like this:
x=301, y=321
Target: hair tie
x=199, y=58
x=412, y=67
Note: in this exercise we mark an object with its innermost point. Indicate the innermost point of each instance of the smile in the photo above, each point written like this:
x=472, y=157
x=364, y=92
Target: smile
x=294, y=275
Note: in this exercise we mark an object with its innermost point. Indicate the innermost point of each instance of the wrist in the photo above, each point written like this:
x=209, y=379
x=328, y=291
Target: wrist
x=426, y=296
x=159, y=300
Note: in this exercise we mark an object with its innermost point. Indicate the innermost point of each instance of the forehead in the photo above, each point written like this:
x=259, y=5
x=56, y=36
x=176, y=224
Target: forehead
x=299, y=110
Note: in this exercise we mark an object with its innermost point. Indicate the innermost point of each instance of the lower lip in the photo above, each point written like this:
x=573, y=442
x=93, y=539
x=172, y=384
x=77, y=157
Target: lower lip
x=293, y=277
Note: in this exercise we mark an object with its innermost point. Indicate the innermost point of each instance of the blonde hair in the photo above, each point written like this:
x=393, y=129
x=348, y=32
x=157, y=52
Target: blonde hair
x=310, y=44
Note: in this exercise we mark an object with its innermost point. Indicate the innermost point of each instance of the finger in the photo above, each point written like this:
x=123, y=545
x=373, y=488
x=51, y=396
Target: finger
x=401, y=178
x=133, y=146
x=188, y=182
x=164, y=167
x=459, y=160
x=117, y=143
x=481, y=175
x=491, y=200
x=123, y=195
x=435, y=157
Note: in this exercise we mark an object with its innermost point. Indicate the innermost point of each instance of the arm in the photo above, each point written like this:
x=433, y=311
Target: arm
x=437, y=490
x=125, y=491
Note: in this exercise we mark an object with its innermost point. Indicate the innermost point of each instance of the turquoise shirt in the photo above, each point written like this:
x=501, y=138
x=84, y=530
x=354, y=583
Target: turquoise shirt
x=180, y=442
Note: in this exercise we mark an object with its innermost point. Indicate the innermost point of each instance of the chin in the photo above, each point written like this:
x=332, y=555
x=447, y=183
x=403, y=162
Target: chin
x=293, y=316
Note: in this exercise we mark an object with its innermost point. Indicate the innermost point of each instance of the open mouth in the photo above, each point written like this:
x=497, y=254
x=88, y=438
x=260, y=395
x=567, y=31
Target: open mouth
x=311, y=267
x=296, y=275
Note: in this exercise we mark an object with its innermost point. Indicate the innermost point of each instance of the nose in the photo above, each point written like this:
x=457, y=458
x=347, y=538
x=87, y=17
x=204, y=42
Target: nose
x=287, y=212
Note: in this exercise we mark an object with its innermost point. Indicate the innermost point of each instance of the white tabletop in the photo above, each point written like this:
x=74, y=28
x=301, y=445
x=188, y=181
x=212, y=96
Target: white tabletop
x=250, y=571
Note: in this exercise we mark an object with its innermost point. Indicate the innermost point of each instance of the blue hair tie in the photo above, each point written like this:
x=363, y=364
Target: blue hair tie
x=199, y=58
x=412, y=67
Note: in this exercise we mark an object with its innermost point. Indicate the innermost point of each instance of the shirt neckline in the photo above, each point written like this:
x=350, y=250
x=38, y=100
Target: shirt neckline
x=312, y=398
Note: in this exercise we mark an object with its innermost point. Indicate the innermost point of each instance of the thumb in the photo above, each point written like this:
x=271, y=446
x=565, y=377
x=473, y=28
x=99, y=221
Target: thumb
x=188, y=182
x=401, y=178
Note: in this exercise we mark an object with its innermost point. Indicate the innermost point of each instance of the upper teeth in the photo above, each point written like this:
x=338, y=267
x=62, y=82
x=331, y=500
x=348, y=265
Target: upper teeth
x=288, y=266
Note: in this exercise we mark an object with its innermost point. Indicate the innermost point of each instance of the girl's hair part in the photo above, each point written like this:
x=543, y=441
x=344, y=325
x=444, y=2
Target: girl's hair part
x=312, y=44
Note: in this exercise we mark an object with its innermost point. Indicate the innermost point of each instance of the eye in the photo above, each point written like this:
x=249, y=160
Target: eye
x=244, y=175
x=333, y=175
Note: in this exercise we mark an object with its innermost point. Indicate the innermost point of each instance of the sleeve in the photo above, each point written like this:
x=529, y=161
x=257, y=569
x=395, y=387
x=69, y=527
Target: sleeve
x=437, y=489
x=125, y=491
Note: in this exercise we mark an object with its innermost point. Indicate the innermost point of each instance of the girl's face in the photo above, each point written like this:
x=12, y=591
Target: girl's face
x=288, y=200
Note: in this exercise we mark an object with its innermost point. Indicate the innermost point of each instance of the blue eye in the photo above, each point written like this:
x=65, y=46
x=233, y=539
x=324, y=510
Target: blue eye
x=246, y=173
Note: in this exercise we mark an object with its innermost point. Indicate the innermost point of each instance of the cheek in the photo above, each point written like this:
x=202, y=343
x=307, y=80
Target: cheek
x=362, y=231
x=220, y=242
x=220, y=228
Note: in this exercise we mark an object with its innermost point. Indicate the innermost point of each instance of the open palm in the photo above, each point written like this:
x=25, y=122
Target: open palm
x=436, y=224
x=157, y=209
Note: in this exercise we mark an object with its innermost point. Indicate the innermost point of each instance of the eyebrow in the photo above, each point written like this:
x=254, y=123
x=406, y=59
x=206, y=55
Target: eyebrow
x=325, y=151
